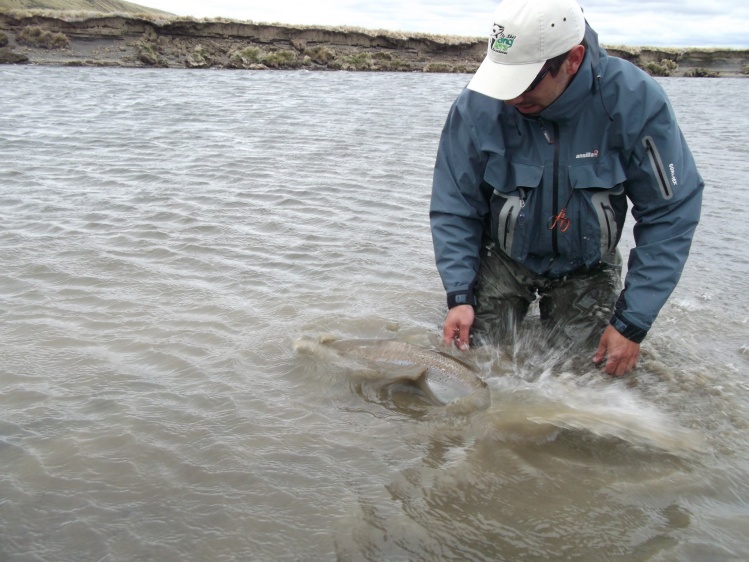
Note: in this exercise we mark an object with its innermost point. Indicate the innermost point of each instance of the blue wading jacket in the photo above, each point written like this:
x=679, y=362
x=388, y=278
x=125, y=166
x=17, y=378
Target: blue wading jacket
x=610, y=137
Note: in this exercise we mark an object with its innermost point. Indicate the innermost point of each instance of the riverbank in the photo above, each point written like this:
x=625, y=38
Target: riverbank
x=46, y=37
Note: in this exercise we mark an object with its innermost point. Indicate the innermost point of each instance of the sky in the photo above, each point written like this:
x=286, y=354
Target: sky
x=666, y=23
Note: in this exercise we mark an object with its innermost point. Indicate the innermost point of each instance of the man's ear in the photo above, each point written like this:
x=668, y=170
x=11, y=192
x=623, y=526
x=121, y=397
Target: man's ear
x=574, y=59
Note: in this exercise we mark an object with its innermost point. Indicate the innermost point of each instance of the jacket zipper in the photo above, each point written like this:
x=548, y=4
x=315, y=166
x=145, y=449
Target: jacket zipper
x=554, y=140
x=661, y=175
x=610, y=234
x=555, y=190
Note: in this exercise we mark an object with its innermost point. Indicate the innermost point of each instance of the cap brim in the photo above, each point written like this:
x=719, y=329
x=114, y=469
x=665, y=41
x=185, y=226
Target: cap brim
x=504, y=81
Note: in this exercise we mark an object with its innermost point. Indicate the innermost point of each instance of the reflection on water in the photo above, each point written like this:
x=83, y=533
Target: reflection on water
x=166, y=237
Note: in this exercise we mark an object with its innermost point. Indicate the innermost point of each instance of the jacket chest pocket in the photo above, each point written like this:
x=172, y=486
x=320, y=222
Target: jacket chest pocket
x=602, y=205
x=512, y=192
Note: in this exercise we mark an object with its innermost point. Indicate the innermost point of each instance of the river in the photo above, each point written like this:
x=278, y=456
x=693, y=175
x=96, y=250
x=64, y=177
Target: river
x=166, y=236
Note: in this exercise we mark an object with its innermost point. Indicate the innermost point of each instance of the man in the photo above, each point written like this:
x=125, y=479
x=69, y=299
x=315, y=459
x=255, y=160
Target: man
x=536, y=162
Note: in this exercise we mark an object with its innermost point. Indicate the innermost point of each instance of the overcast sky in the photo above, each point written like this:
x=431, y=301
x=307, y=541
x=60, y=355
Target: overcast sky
x=675, y=23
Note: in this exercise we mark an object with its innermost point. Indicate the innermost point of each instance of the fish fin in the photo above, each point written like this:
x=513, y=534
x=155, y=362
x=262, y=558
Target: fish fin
x=412, y=377
x=456, y=360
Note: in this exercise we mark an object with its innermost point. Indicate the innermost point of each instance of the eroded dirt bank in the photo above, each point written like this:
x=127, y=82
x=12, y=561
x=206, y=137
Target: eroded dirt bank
x=119, y=40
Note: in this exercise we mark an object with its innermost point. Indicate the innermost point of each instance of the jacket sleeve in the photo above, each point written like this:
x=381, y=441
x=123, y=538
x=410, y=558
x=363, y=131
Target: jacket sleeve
x=458, y=206
x=666, y=192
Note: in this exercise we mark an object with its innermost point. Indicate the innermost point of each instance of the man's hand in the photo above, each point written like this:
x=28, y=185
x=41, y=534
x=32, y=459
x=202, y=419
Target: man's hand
x=620, y=353
x=458, y=326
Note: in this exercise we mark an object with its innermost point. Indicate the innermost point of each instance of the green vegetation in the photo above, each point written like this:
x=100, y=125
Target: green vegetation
x=199, y=58
x=437, y=67
x=358, y=61
x=655, y=69
x=665, y=68
x=244, y=58
x=319, y=54
x=7, y=56
x=281, y=59
x=3, y=39
x=150, y=54
x=453, y=68
x=384, y=60
x=34, y=36
x=702, y=73
x=465, y=68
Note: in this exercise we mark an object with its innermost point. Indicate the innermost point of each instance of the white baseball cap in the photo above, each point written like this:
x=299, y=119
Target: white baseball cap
x=525, y=34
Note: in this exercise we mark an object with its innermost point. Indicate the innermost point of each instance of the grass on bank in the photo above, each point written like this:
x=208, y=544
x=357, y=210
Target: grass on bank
x=163, y=18
x=34, y=36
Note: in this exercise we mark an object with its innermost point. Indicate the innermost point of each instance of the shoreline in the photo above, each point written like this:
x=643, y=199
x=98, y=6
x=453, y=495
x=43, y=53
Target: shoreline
x=122, y=40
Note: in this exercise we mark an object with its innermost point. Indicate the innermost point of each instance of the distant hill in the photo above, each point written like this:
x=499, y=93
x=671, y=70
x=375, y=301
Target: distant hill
x=107, y=6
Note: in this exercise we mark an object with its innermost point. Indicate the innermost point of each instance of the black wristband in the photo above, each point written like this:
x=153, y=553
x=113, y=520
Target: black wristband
x=629, y=331
x=460, y=297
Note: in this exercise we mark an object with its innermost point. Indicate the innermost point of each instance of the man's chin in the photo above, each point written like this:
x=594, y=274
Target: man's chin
x=529, y=110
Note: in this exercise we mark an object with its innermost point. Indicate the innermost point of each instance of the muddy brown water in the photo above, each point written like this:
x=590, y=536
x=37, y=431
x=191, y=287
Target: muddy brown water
x=165, y=238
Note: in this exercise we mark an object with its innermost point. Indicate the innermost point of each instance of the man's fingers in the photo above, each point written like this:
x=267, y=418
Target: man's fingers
x=600, y=354
x=619, y=366
x=614, y=367
x=602, y=349
x=457, y=327
x=463, y=338
x=619, y=353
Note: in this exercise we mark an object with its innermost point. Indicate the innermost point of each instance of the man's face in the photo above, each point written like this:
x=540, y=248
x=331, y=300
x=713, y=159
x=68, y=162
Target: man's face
x=540, y=97
x=550, y=88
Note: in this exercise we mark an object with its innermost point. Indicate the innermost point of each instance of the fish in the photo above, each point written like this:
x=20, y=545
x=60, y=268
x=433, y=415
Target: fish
x=440, y=378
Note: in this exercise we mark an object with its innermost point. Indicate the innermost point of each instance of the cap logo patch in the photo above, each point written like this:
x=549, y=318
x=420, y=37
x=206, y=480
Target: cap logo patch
x=498, y=41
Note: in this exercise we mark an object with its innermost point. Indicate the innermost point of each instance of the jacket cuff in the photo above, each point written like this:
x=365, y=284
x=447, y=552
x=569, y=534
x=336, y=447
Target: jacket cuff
x=629, y=331
x=461, y=297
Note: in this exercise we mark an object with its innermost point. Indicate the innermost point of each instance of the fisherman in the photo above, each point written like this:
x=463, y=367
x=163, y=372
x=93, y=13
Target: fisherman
x=536, y=163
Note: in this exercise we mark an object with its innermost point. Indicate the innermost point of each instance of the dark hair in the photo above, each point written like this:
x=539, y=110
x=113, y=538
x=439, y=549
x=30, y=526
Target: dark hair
x=555, y=64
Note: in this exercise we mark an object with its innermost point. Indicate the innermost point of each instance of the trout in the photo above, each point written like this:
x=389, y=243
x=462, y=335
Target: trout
x=440, y=378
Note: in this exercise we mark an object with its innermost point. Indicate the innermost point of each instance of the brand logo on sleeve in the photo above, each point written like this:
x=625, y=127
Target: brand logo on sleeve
x=593, y=154
x=498, y=41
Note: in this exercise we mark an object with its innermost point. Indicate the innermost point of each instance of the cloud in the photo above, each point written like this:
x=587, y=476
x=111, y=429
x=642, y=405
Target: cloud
x=670, y=23
x=676, y=23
